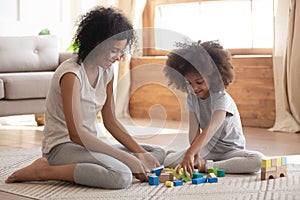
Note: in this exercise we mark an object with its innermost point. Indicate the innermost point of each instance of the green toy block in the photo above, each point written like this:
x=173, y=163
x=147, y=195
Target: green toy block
x=197, y=175
x=185, y=179
x=221, y=173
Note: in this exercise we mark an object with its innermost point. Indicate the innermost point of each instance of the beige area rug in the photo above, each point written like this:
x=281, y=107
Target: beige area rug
x=229, y=187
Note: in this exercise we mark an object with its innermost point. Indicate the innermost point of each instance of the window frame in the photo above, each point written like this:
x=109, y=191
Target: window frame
x=149, y=40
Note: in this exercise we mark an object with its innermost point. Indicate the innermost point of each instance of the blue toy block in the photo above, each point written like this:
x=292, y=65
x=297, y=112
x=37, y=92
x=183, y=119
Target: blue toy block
x=212, y=180
x=178, y=182
x=153, y=180
x=283, y=160
x=199, y=180
x=157, y=170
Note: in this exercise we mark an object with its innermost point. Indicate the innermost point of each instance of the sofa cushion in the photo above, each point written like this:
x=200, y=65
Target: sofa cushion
x=26, y=85
x=28, y=53
x=1, y=89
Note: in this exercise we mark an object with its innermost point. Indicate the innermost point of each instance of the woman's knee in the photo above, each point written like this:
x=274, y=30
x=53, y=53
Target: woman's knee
x=97, y=176
x=121, y=179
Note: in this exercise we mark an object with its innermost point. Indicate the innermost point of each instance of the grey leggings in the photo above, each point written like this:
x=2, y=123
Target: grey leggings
x=97, y=169
x=235, y=161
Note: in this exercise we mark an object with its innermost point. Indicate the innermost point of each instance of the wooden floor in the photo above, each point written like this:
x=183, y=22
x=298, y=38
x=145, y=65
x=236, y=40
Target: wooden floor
x=260, y=139
x=269, y=143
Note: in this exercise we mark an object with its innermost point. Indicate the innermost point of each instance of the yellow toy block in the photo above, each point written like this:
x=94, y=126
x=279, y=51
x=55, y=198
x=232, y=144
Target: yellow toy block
x=278, y=161
x=169, y=183
x=177, y=175
x=266, y=163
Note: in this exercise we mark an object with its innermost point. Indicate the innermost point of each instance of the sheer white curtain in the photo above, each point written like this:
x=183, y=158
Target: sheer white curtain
x=133, y=9
x=286, y=62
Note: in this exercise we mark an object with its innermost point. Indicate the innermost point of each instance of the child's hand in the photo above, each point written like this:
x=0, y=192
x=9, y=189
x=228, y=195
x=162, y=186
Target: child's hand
x=148, y=161
x=187, y=164
x=199, y=163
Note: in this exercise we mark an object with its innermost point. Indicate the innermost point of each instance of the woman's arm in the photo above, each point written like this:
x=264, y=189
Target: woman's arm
x=119, y=132
x=70, y=90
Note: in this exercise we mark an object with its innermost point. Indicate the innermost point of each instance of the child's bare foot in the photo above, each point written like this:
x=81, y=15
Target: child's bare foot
x=170, y=151
x=33, y=172
x=203, y=165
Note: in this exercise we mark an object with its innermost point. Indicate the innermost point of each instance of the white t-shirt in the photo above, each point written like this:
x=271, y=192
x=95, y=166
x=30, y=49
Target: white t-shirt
x=230, y=135
x=92, y=101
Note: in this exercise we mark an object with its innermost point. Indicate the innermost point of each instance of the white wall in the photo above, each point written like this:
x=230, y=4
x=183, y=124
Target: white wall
x=29, y=17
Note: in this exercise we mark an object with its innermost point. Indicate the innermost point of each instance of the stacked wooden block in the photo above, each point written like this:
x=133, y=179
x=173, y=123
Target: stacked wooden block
x=272, y=168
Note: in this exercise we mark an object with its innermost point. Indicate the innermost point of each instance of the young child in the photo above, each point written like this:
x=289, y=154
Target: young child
x=81, y=87
x=204, y=70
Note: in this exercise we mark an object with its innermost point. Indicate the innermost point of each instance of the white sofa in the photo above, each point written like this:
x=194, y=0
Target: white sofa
x=27, y=64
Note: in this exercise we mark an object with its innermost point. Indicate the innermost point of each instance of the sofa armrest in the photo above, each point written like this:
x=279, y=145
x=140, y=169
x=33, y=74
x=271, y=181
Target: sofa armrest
x=65, y=55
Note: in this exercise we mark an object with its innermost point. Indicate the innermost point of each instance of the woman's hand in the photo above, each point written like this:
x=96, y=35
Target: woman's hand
x=148, y=161
x=137, y=169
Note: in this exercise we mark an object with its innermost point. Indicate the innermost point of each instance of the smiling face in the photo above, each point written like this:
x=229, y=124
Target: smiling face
x=111, y=52
x=197, y=84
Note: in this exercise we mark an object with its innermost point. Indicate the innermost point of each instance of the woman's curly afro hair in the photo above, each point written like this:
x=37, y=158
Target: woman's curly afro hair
x=98, y=25
x=200, y=58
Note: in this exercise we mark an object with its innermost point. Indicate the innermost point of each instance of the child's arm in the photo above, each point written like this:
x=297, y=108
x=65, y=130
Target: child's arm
x=202, y=139
x=194, y=127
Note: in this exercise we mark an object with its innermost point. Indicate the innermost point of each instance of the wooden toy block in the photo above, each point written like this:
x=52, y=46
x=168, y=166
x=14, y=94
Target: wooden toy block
x=151, y=174
x=274, y=162
x=211, y=175
x=169, y=183
x=212, y=179
x=221, y=173
x=278, y=161
x=268, y=175
x=281, y=171
x=266, y=163
x=166, y=176
x=210, y=170
x=153, y=180
x=199, y=180
x=178, y=182
x=283, y=160
x=197, y=175
x=209, y=164
x=168, y=170
x=157, y=170
x=268, y=169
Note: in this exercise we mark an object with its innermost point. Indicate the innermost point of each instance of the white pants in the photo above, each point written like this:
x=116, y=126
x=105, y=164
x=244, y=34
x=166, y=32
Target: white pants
x=97, y=169
x=235, y=161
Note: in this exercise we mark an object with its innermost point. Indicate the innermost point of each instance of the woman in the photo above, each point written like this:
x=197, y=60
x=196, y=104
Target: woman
x=81, y=87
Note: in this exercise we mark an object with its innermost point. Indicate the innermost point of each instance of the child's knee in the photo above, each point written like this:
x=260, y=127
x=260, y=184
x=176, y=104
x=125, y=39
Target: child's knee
x=257, y=159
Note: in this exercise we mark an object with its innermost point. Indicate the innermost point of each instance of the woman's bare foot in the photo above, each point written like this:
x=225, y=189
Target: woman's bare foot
x=33, y=172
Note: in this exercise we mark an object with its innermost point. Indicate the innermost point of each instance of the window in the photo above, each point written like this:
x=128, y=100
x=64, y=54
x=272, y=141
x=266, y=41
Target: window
x=243, y=26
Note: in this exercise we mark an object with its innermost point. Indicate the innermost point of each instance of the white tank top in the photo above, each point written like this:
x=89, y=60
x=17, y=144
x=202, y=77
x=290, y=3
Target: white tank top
x=92, y=101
